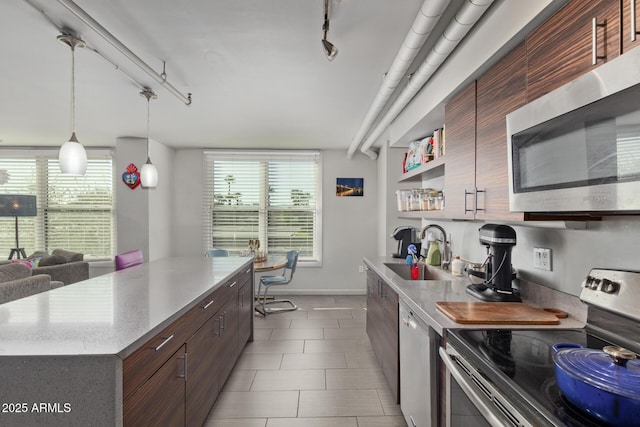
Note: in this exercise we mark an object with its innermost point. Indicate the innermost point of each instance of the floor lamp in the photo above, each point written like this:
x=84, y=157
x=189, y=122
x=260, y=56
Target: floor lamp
x=17, y=205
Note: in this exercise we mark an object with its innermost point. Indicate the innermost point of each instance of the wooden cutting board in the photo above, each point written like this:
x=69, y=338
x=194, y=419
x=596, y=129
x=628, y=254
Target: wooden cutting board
x=514, y=313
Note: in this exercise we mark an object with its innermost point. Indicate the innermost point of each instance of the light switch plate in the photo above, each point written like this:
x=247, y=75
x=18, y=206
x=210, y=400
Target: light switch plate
x=542, y=258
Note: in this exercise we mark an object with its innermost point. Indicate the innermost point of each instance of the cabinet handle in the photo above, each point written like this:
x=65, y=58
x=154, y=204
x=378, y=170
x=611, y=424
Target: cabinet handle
x=632, y=6
x=242, y=300
x=184, y=367
x=413, y=422
x=232, y=285
x=207, y=305
x=248, y=271
x=467, y=193
x=223, y=323
x=476, y=200
x=166, y=340
x=219, y=331
x=594, y=41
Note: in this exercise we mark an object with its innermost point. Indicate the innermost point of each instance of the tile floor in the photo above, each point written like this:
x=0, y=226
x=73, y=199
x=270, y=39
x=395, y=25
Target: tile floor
x=313, y=367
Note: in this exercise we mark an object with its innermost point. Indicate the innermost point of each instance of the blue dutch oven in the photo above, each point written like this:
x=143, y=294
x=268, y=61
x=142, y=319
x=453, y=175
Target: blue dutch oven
x=603, y=383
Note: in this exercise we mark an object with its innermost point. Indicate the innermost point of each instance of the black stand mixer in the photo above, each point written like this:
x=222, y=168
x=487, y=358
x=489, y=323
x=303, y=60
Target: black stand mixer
x=497, y=273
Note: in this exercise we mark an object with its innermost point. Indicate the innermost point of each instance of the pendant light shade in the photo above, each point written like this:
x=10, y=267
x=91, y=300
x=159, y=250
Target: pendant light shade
x=72, y=155
x=148, y=173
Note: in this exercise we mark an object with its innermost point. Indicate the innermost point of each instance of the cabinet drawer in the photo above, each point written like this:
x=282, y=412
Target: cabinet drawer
x=206, y=307
x=245, y=276
x=144, y=362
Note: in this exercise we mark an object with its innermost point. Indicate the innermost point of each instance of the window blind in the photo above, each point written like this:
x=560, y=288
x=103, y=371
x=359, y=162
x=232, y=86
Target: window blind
x=265, y=195
x=74, y=213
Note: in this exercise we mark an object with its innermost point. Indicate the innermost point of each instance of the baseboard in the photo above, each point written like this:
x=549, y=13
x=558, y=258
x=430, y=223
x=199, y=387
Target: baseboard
x=354, y=292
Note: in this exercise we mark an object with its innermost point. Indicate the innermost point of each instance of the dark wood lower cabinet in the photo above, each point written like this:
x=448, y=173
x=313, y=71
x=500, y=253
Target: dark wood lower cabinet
x=160, y=401
x=382, y=329
x=245, y=316
x=202, y=348
x=203, y=379
x=229, y=339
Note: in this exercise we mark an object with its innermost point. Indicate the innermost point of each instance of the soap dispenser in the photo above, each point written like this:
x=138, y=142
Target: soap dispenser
x=433, y=255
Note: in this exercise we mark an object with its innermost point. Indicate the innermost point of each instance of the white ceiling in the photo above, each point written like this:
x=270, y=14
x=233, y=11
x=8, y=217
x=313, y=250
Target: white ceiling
x=256, y=69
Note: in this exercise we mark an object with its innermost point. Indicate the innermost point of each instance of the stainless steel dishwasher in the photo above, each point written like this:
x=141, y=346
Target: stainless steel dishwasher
x=418, y=361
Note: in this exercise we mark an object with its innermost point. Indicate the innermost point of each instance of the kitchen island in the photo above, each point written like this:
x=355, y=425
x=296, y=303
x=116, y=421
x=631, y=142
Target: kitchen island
x=88, y=353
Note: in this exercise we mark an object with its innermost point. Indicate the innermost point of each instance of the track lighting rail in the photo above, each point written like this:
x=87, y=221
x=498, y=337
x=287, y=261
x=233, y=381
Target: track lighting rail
x=105, y=34
x=121, y=47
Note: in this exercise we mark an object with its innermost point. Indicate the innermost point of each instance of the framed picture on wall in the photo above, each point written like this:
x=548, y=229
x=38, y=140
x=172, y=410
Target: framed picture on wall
x=346, y=187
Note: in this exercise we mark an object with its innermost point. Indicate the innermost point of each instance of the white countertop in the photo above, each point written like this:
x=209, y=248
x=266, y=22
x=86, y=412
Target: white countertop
x=421, y=297
x=113, y=313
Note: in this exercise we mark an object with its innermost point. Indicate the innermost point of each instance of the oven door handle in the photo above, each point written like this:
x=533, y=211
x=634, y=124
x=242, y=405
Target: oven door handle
x=487, y=411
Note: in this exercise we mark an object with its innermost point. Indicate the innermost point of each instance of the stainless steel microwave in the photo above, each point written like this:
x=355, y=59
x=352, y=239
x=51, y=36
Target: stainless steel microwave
x=577, y=149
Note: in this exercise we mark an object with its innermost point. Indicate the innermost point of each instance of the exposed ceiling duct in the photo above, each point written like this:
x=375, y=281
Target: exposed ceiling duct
x=470, y=12
x=424, y=23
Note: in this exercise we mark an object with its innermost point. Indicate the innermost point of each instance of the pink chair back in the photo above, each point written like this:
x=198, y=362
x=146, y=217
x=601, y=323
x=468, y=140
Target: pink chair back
x=129, y=259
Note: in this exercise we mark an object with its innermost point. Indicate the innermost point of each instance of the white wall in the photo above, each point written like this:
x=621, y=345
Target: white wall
x=349, y=223
x=144, y=214
x=161, y=202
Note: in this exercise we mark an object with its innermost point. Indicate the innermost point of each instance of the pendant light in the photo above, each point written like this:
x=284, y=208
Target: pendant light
x=148, y=173
x=72, y=155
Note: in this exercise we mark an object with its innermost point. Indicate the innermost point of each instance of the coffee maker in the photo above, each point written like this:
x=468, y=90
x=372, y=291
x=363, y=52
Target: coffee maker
x=497, y=273
x=405, y=235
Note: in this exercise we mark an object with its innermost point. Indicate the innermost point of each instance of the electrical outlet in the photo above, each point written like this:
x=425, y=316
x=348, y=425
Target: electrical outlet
x=361, y=269
x=542, y=258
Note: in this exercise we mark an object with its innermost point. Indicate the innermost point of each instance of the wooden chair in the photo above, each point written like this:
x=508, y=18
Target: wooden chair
x=129, y=259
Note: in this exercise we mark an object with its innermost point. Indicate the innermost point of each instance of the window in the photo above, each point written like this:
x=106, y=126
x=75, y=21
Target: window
x=74, y=213
x=267, y=195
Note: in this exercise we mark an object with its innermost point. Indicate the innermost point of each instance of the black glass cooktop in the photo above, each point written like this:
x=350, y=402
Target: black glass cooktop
x=520, y=361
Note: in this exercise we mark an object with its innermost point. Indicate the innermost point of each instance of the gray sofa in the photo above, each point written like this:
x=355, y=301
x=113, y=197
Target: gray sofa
x=63, y=266
x=17, y=281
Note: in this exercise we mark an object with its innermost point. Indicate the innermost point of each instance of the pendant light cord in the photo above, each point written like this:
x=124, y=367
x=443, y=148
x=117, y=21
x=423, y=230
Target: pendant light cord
x=73, y=90
x=148, y=127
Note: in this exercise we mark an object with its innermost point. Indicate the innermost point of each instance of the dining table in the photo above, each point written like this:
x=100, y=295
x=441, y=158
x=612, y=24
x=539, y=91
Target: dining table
x=270, y=264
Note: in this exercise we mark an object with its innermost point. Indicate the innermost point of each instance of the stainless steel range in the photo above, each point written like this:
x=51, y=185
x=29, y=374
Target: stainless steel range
x=504, y=377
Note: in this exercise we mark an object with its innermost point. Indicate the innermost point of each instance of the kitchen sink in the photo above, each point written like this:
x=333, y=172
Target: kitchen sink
x=425, y=272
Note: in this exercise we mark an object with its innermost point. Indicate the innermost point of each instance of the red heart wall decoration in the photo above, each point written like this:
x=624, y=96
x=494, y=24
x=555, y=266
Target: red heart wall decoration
x=131, y=177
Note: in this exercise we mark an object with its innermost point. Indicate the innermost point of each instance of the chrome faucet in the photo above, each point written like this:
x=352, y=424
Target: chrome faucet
x=446, y=252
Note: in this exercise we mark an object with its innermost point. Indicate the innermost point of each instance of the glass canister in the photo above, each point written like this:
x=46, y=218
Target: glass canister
x=425, y=202
x=415, y=200
x=403, y=200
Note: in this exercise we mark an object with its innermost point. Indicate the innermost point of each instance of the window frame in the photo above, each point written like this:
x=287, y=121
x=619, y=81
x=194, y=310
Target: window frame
x=41, y=157
x=263, y=209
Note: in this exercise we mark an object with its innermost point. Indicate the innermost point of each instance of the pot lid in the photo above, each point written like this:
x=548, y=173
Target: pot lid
x=616, y=371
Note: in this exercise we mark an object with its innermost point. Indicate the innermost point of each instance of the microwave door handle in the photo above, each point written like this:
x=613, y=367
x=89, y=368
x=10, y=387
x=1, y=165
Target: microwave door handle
x=486, y=410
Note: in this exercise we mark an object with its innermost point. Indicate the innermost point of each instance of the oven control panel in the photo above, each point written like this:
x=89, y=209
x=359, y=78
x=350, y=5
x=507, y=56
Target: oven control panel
x=615, y=290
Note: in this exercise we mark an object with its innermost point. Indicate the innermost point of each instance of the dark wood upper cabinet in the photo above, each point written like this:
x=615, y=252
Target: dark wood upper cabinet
x=500, y=91
x=626, y=25
x=560, y=50
x=460, y=169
